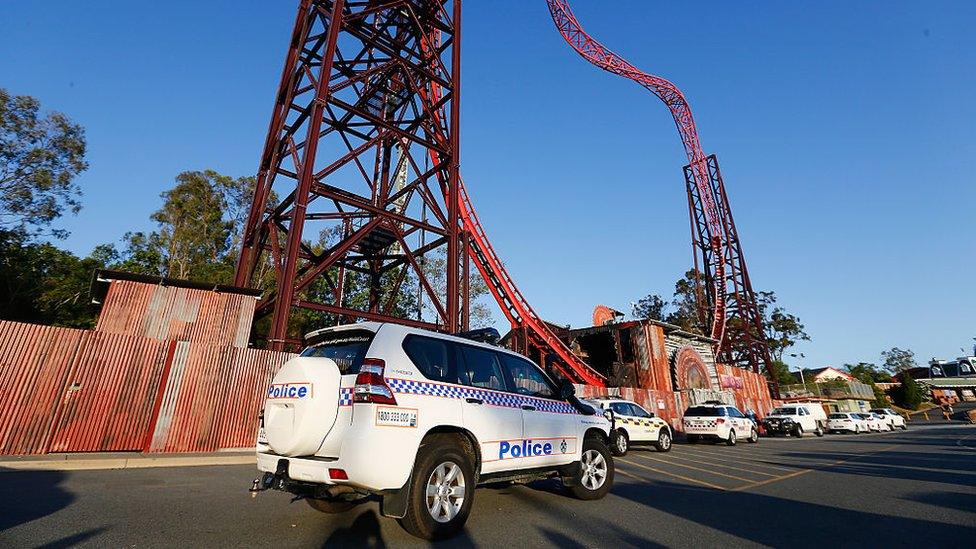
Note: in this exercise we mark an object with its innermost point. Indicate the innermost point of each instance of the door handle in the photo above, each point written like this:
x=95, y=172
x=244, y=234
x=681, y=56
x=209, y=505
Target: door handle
x=474, y=401
x=528, y=407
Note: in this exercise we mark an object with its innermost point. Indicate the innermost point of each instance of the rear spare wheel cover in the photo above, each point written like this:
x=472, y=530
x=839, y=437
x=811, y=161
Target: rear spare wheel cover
x=301, y=406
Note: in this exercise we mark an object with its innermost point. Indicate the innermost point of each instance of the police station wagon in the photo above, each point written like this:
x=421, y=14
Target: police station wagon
x=633, y=425
x=417, y=419
x=717, y=421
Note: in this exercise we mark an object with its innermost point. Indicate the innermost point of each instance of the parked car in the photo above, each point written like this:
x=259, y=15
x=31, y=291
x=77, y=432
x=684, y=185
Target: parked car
x=893, y=418
x=873, y=422
x=634, y=426
x=717, y=421
x=796, y=419
x=839, y=422
x=885, y=424
x=416, y=419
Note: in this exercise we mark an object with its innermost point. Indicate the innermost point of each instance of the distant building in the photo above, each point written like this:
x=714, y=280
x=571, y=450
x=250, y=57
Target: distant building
x=820, y=375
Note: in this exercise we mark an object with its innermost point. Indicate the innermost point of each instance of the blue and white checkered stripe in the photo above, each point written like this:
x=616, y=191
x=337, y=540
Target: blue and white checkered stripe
x=345, y=396
x=494, y=398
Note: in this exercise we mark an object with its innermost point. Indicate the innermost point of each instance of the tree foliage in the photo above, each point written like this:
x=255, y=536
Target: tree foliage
x=43, y=284
x=40, y=157
x=684, y=304
x=897, y=360
x=910, y=394
x=650, y=307
x=865, y=372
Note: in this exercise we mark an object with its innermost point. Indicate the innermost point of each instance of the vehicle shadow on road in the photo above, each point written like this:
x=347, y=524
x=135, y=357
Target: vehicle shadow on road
x=779, y=522
x=30, y=495
x=364, y=531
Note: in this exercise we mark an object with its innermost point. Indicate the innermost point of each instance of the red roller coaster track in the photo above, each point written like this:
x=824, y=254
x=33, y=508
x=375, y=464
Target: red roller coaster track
x=736, y=322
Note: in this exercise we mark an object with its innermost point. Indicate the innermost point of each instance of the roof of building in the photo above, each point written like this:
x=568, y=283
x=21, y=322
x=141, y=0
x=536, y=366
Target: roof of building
x=102, y=278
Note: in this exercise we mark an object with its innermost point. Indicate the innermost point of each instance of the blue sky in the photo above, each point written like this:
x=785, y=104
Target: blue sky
x=845, y=132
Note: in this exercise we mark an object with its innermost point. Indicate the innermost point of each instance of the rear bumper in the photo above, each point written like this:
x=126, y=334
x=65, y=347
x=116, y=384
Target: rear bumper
x=364, y=466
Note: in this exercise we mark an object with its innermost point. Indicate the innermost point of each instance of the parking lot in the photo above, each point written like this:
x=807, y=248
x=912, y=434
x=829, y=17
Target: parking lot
x=884, y=489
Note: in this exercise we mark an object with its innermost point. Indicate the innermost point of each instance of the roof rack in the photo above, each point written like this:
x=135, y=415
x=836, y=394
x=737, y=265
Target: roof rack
x=481, y=335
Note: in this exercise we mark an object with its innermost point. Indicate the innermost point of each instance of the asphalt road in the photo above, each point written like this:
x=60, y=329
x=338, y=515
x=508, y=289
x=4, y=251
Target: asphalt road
x=901, y=489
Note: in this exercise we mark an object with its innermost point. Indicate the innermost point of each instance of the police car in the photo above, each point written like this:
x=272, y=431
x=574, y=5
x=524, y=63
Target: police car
x=416, y=419
x=634, y=426
x=717, y=421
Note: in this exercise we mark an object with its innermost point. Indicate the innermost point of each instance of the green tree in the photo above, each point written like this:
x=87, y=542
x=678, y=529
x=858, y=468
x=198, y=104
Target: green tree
x=43, y=284
x=866, y=372
x=199, y=229
x=780, y=371
x=880, y=398
x=783, y=329
x=910, y=394
x=651, y=307
x=685, y=302
x=897, y=360
x=40, y=156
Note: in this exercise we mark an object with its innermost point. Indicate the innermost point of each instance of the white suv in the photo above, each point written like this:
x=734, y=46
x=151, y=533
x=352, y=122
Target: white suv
x=718, y=421
x=634, y=426
x=893, y=418
x=417, y=419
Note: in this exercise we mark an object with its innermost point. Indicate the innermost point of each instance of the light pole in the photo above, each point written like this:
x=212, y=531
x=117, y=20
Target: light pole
x=799, y=368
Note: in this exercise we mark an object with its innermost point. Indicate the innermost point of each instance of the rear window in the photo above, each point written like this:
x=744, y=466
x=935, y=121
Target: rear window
x=704, y=411
x=346, y=348
x=784, y=412
x=838, y=416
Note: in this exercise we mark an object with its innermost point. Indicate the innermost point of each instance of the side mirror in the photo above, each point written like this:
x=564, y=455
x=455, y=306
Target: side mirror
x=567, y=391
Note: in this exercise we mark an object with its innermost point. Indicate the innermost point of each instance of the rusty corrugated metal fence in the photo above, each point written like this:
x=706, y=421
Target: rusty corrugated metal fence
x=68, y=390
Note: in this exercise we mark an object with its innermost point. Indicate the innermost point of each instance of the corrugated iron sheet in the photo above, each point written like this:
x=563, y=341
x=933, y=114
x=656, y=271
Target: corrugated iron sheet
x=169, y=312
x=66, y=390
x=213, y=397
x=111, y=391
x=34, y=365
x=247, y=384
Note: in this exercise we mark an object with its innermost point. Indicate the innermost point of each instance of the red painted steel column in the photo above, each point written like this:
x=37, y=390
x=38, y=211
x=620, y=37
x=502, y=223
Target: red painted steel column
x=286, y=282
x=453, y=193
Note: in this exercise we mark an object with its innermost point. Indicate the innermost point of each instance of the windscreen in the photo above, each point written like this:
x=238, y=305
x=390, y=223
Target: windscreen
x=784, y=412
x=703, y=411
x=838, y=416
x=346, y=348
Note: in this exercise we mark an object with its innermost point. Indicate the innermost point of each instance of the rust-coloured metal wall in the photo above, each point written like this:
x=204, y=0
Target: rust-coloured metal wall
x=34, y=366
x=171, y=312
x=66, y=390
x=112, y=386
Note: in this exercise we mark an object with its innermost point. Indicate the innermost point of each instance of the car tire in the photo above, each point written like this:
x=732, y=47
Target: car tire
x=798, y=431
x=594, y=459
x=442, y=465
x=753, y=436
x=620, y=443
x=330, y=507
x=731, y=440
x=663, y=443
x=857, y=429
x=904, y=426
x=819, y=431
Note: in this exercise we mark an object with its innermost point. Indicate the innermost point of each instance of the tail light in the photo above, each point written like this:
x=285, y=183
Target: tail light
x=371, y=385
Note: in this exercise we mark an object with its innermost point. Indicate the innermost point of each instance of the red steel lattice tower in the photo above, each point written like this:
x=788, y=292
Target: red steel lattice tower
x=359, y=174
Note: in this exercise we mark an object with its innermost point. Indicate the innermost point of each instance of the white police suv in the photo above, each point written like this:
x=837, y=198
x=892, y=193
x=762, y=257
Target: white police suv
x=717, y=421
x=417, y=419
x=633, y=425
